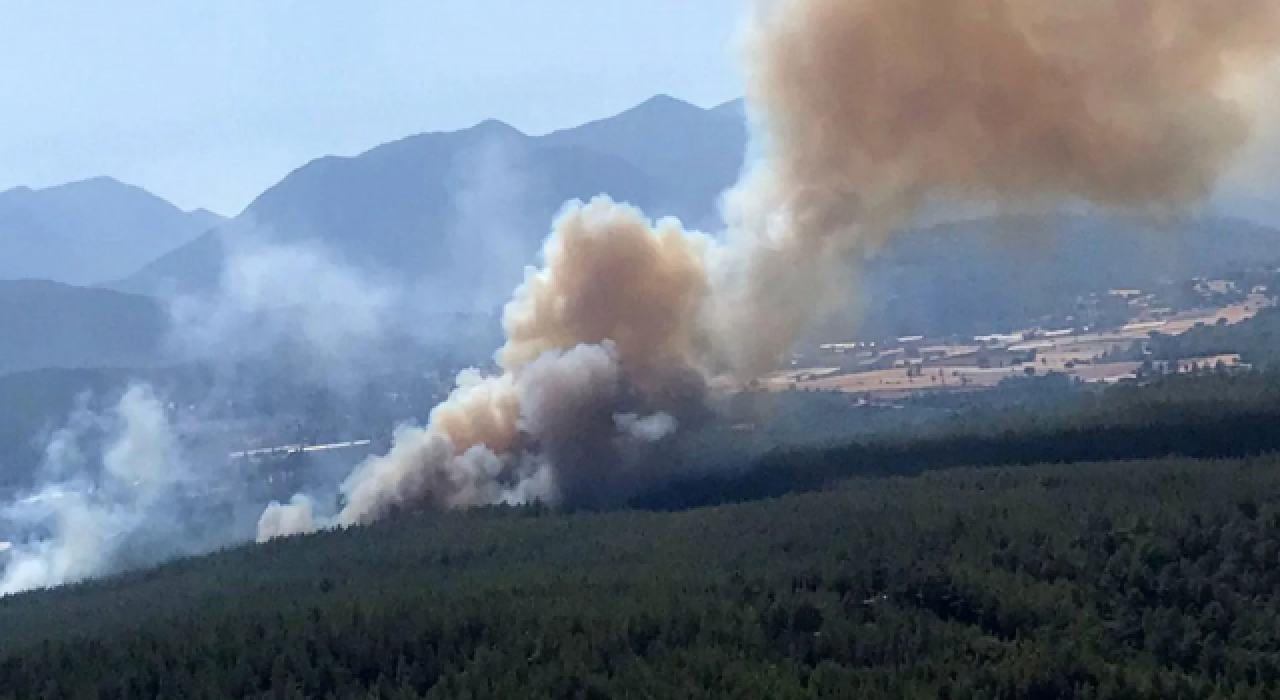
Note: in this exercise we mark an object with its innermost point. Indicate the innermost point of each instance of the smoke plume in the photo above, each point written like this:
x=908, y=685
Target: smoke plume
x=873, y=108
x=291, y=304
x=89, y=517
x=493, y=194
x=866, y=111
x=608, y=325
x=138, y=482
x=647, y=428
x=280, y=520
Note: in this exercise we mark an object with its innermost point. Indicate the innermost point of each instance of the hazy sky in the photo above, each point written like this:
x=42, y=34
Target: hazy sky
x=208, y=102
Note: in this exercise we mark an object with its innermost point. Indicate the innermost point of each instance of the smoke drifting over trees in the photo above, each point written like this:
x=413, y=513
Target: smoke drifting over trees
x=871, y=109
x=119, y=487
x=88, y=523
x=867, y=111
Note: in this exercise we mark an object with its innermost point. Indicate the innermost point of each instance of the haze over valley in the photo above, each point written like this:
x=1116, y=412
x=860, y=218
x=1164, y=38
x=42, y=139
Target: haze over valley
x=942, y=363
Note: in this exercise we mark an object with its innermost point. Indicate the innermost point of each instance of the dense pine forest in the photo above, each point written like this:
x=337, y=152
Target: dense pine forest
x=1041, y=420
x=1136, y=579
x=1047, y=540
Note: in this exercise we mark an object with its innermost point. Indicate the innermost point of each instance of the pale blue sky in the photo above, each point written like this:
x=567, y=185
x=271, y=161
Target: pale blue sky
x=208, y=102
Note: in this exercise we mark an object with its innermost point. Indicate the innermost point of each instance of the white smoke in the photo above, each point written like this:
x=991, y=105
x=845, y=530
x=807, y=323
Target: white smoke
x=90, y=517
x=281, y=520
x=648, y=428
x=282, y=310
x=111, y=481
x=287, y=302
x=491, y=202
x=535, y=435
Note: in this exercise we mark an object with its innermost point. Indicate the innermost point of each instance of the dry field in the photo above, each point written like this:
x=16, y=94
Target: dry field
x=897, y=381
x=1073, y=355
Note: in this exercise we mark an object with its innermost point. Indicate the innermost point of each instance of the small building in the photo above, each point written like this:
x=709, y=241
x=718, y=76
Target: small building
x=960, y=359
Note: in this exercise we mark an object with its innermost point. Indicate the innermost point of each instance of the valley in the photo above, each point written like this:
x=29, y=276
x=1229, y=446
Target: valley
x=1089, y=355
x=815, y=350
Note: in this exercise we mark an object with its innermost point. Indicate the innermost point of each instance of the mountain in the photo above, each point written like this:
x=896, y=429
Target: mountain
x=194, y=267
x=988, y=274
x=202, y=219
x=459, y=214
x=89, y=231
x=694, y=152
x=733, y=109
x=49, y=324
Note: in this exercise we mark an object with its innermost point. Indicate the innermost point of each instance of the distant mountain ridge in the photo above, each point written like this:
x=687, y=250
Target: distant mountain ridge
x=47, y=324
x=694, y=152
x=90, y=231
x=979, y=275
x=455, y=216
x=406, y=207
x=462, y=212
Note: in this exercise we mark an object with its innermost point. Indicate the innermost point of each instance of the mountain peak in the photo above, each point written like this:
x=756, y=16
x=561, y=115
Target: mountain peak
x=661, y=99
x=99, y=183
x=487, y=129
x=659, y=109
x=733, y=108
x=88, y=230
x=105, y=180
x=664, y=104
x=426, y=207
x=494, y=126
x=18, y=191
x=493, y=130
x=99, y=190
x=203, y=219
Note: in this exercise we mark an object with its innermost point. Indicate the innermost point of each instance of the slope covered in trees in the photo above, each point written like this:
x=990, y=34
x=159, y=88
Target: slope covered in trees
x=890, y=567
x=1048, y=419
x=1123, y=580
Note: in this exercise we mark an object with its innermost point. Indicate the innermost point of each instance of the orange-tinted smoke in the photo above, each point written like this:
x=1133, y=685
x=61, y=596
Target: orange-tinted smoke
x=871, y=108
x=609, y=274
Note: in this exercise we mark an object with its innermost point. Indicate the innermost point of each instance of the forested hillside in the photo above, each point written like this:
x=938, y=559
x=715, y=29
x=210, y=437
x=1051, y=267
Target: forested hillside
x=1123, y=580
x=47, y=324
x=1254, y=340
x=1046, y=419
x=924, y=560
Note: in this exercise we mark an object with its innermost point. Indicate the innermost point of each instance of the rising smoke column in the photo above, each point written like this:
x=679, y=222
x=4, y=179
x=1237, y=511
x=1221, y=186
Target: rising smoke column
x=610, y=326
x=872, y=108
x=867, y=110
x=90, y=518
x=291, y=304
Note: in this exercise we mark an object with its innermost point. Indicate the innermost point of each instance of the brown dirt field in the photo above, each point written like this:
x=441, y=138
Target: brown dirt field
x=896, y=381
x=1079, y=351
x=1103, y=372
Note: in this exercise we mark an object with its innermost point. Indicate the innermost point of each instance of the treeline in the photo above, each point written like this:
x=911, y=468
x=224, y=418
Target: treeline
x=221, y=409
x=1256, y=340
x=900, y=574
x=1124, y=580
x=1210, y=416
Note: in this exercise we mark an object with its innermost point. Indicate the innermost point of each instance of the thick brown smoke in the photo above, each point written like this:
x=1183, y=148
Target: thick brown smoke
x=609, y=275
x=874, y=107
x=869, y=110
x=606, y=329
